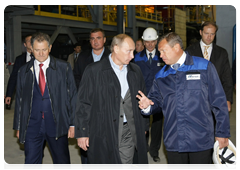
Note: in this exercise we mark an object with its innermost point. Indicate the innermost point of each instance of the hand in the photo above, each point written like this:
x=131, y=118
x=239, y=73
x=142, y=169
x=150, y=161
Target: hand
x=83, y=143
x=17, y=134
x=229, y=106
x=144, y=101
x=223, y=142
x=71, y=132
x=8, y=100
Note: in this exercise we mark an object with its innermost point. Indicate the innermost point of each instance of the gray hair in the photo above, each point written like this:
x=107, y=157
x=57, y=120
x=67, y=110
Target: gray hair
x=172, y=38
x=40, y=37
x=118, y=40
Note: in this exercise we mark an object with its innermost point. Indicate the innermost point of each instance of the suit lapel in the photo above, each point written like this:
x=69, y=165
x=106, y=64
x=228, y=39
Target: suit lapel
x=214, y=55
x=199, y=51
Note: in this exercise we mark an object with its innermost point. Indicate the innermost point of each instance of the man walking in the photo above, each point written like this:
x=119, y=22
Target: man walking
x=45, y=104
x=108, y=121
x=187, y=90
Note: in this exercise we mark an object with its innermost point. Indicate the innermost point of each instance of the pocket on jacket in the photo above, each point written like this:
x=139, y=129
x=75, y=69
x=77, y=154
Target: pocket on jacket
x=194, y=84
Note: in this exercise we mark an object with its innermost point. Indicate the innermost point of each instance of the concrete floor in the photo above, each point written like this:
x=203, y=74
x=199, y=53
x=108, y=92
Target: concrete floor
x=14, y=153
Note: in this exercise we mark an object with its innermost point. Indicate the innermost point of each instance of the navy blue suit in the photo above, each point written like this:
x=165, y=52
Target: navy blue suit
x=41, y=129
x=58, y=105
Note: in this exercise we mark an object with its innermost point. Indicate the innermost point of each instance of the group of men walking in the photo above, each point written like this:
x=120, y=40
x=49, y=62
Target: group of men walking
x=104, y=99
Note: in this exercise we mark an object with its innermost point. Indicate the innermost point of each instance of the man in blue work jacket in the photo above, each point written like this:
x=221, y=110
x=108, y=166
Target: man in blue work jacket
x=150, y=63
x=187, y=90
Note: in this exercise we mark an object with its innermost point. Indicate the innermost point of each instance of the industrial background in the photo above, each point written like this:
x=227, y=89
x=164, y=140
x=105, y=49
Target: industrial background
x=68, y=24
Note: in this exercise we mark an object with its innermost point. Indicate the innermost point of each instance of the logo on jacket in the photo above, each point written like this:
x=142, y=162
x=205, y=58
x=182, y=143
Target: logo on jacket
x=193, y=77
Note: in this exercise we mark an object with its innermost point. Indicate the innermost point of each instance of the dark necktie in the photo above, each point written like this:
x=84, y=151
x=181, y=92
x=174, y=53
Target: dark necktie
x=176, y=66
x=41, y=82
x=150, y=58
x=75, y=59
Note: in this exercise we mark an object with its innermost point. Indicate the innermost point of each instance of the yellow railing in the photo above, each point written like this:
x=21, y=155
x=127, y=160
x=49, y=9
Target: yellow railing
x=71, y=12
x=82, y=13
x=147, y=13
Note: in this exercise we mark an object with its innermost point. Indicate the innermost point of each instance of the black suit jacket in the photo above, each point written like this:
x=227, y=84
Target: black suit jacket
x=12, y=82
x=219, y=58
x=84, y=59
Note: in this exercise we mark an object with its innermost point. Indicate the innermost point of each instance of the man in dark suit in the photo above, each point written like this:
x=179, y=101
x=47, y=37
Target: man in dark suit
x=19, y=62
x=207, y=49
x=108, y=122
x=45, y=104
x=98, y=51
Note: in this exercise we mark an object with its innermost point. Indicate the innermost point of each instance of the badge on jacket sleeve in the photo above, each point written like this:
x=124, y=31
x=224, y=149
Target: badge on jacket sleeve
x=193, y=76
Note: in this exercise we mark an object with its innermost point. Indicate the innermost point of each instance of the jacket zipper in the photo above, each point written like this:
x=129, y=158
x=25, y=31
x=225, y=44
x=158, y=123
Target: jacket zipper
x=51, y=104
x=30, y=109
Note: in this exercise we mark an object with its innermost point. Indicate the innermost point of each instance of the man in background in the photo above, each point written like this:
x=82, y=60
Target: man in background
x=207, y=49
x=96, y=53
x=19, y=62
x=150, y=63
x=72, y=58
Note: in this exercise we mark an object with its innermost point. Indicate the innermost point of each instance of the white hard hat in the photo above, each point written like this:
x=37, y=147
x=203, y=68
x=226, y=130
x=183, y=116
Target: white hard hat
x=150, y=34
x=225, y=155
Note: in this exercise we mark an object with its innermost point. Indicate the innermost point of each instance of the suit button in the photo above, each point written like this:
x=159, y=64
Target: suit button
x=121, y=116
x=123, y=102
x=114, y=120
x=42, y=99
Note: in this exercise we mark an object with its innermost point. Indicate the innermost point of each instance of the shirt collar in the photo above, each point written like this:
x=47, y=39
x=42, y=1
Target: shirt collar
x=181, y=60
x=99, y=54
x=203, y=44
x=45, y=63
x=153, y=53
x=115, y=66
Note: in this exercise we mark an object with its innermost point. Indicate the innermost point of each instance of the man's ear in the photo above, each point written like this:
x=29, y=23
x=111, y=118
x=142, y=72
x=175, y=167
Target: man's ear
x=177, y=47
x=50, y=47
x=116, y=49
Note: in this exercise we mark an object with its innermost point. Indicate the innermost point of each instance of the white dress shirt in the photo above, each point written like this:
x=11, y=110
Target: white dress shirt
x=44, y=67
x=209, y=50
x=28, y=58
x=153, y=53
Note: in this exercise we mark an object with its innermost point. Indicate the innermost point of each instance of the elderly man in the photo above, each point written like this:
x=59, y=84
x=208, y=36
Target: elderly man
x=108, y=121
x=187, y=90
x=45, y=104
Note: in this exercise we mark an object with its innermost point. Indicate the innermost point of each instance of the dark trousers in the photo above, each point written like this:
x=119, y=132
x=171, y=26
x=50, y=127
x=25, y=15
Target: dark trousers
x=202, y=157
x=84, y=158
x=34, y=148
x=156, y=134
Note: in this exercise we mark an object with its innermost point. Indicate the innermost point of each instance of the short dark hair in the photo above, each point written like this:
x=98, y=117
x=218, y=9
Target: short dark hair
x=40, y=37
x=140, y=39
x=207, y=23
x=97, y=30
x=172, y=38
x=24, y=39
x=77, y=44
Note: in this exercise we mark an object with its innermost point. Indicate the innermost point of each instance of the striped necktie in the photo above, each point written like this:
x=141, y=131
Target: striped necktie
x=205, y=55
